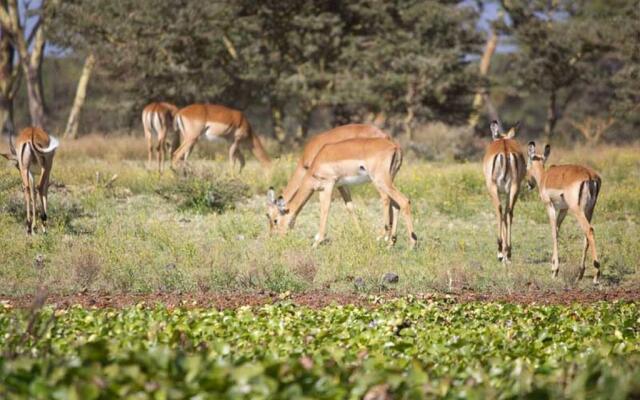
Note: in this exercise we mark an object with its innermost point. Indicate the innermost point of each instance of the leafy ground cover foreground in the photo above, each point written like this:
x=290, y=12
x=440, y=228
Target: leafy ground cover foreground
x=401, y=349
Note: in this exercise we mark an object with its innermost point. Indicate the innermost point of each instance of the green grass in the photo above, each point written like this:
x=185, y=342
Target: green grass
x=208, y=232
x=404, y=349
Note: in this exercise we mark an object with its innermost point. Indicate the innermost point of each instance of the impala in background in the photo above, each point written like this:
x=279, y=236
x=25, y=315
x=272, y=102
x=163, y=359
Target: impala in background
x=217, y=122
x=565, y=188
x=157, y=121
x=504, y=169
x=34, y=147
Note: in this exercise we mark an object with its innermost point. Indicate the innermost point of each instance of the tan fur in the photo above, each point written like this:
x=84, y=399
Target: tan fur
x=157, y=120
x=217, y=121
x=32, y=147
x=351, y=161
x=504, y=169
x=562, y=188
x=309, y=153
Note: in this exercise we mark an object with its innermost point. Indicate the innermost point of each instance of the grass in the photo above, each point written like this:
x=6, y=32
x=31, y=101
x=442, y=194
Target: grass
x=208, y=231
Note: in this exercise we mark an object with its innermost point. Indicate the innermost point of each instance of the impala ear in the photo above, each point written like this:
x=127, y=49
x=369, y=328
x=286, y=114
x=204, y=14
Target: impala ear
x=532, y=150
x=271, y=196
x=514, y=129
x=495, y=129
x=282, y=206
x=547, y=151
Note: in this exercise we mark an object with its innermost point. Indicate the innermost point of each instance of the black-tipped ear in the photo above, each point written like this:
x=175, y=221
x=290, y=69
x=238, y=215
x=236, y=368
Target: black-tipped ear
x=282, y=206
x=495, y=129
x=514, y=129
x=532, y=150
x=547, y=151
x=271, y=196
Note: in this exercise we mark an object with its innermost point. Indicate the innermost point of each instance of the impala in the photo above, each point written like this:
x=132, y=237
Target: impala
x=157, y=120
x=349, y=162
x=33, y=146
x=309, y=153
x=565, y=188
x=217, y=122
x=504, y=169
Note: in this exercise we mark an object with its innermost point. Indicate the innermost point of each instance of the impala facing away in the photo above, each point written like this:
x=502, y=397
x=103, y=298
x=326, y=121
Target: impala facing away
x=349, y=162
x=311, y=149
x=565, y=188
x=217, y=122
x=504, y=169
x=34, y=146
x=157, y=120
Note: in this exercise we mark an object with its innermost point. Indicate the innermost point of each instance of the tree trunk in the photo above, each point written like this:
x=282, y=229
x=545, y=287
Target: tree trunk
x=9, y=79
x=81, y=93
x=482, y=93
x=409, y=117
x=552, y=117
x=36, y=103
x=303, y=125
x=278, y=125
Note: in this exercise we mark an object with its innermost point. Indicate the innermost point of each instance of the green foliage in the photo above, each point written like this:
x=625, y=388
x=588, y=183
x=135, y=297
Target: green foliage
x=404, y=349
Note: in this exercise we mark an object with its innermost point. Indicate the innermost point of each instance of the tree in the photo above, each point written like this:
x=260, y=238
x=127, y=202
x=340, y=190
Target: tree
x=9, y=77
x=71, y=130
x=30, y=48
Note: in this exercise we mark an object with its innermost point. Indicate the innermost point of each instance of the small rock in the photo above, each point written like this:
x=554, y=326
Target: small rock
x=170, y=267
x=359, y=283
x=390, y=277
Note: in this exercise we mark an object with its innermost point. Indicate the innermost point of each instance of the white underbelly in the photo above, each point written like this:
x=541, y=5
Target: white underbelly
x=216, y=131
x=354, y=180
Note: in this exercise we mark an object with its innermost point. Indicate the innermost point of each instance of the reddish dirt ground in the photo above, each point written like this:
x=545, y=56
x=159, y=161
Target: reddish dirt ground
x=314, y=299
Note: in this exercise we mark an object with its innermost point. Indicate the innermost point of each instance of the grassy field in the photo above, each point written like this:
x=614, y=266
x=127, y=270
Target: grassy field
x=117, y=227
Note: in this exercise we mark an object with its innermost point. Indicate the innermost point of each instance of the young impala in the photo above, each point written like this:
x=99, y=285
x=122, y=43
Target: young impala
x=157, y=121
x=565, y=188
x=311, y=149
x=217, y=122
x=504, y=169
x=34, y=146
x=349, y=162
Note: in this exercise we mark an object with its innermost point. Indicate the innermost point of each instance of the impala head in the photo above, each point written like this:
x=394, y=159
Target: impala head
x=497, y=133
x=277, y=212
x=535, y=164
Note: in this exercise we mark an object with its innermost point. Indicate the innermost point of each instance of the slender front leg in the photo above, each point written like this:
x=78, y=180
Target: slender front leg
x=346, y=196
x=553, y=221
x=325, y=204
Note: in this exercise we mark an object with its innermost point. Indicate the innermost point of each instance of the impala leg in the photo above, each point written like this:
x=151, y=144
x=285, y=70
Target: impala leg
x=27, y=198
x=325, y=204
x=495, y=200
x=43, y=190
x=386, y=216
x=591, y=241
x=235, y=154
x=403, y=204
x=161, y=149
x=513, y=198
x=553, y=221
x=346, y=196
x=393, y=216
x=183, y=151
x=149, y=149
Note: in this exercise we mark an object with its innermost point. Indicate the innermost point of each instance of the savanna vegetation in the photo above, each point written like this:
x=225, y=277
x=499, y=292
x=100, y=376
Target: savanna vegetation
x=432, y=74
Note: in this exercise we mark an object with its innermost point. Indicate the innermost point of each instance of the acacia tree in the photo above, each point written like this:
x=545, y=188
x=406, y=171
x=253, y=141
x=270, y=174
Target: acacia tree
x=30, y=48
x=9, y=78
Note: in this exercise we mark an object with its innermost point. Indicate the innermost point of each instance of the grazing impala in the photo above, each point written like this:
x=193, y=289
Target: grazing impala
x=157, y=120
x=217, y=122
x=504, y=169
x=349, y=162
x=311, y=149
x=565, y=188
x=34, y=146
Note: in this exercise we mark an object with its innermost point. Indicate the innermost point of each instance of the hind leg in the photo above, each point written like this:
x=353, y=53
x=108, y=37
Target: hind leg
x=386, y=186
x=591, y=241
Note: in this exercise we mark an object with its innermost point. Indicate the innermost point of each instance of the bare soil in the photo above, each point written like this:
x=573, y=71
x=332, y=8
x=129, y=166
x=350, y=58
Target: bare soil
x=313, y=299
